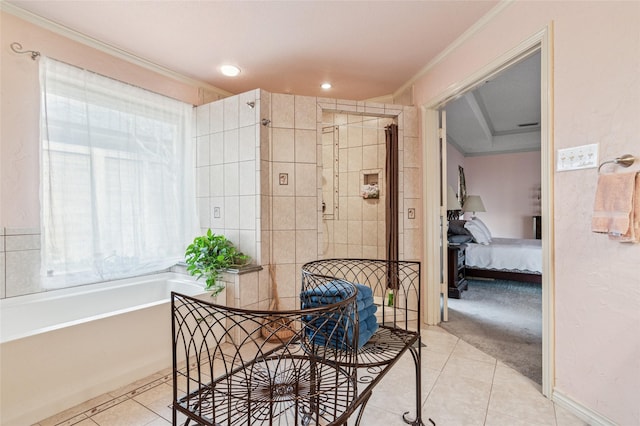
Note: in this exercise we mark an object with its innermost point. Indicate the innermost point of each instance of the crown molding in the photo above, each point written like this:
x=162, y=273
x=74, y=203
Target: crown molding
x=106, y=48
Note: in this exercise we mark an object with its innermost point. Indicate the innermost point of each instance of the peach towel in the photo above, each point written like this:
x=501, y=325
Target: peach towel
x=617, y=206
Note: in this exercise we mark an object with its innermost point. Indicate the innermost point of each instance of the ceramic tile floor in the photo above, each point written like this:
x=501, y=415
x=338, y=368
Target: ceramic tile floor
x=461, y=386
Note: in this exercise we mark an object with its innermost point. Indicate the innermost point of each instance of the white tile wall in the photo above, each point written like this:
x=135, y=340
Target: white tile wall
x=231, y=182
x=202, y=120
x=247, y=143
x=202, y=151
x=231, y=214
x=247, y=174
x=231, y=112
x=216, y=116
x=247, y=212
x=216, y=180
x=248, y=116
x=230, y=146
x=20, y=264
x=216, y=147
x=227, y=137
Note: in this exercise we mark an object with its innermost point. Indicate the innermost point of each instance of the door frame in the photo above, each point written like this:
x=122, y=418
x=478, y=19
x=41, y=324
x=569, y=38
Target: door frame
x=541, y=41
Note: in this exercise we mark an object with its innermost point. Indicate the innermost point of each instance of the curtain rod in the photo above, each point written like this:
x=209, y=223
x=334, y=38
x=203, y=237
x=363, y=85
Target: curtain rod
x=17, y=47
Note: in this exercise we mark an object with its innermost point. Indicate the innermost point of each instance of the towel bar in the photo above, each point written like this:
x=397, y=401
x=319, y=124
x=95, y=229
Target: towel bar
x=625, y=161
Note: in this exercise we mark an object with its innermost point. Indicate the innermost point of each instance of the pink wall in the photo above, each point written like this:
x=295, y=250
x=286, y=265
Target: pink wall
x=20, y=108
x=508, y=186
x=454, y=159
x=596, y=99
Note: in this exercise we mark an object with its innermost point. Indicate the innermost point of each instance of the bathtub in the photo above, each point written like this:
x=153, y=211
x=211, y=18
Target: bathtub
x=63, y=347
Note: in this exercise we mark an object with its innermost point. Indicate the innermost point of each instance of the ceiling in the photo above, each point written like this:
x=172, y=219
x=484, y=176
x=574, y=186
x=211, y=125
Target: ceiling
x=366, y=49
x=501, y=115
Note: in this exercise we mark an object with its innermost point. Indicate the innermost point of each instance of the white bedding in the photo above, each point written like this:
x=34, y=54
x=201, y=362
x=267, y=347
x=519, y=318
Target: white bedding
x=511, y=254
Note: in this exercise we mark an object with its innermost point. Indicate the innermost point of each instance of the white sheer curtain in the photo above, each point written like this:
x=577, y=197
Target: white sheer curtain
x=117, y=178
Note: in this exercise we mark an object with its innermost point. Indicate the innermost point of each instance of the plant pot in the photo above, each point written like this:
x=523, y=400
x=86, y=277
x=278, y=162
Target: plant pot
x=277, y=329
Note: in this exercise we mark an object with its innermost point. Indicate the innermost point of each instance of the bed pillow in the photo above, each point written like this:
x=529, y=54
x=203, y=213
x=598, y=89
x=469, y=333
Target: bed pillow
x=456, y=227
x=459, y=239
x=477, y=233
x=483, y=226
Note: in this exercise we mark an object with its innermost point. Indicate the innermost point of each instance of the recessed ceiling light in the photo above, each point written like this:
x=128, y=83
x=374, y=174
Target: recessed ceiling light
x=230, y=70
x=326, y=86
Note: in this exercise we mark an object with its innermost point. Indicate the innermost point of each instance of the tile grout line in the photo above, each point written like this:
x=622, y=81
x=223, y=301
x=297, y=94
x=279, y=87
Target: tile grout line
x=493, y=378
x=115, y=400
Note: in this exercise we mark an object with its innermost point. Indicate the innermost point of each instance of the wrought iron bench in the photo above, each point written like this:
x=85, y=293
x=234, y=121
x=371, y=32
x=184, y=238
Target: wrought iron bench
x=301, y=367
x=396, y=289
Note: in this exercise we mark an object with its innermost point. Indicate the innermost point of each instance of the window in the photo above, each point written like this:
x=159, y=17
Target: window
x=117, y=178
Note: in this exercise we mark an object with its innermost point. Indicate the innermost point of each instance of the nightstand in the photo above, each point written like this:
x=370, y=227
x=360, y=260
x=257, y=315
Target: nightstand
x=457, y=278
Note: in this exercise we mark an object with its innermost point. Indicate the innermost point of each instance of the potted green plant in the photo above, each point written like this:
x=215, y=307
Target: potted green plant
x=209, y=255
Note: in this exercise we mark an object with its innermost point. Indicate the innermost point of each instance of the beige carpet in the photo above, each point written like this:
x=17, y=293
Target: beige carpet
x=504, y=320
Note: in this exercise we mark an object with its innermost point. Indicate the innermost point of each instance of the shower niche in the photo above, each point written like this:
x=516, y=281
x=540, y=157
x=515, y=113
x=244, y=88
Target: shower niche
x=370, y=187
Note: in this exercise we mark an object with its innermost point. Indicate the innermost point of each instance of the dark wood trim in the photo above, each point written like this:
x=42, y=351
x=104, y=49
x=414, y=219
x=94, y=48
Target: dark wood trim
x=537, y=227
x=456, y=274
x=504, y=275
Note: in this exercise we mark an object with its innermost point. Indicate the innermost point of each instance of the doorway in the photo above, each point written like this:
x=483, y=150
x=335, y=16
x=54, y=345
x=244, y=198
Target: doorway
x=435, y=211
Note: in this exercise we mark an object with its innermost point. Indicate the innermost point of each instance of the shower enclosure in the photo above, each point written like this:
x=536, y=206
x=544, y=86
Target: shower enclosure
x=353, y=185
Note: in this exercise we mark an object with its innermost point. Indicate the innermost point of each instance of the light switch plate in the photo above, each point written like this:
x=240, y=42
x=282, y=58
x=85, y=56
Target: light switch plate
x=579, y=157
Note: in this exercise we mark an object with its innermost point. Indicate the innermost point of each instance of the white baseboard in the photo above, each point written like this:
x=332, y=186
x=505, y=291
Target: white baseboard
x=584, y=413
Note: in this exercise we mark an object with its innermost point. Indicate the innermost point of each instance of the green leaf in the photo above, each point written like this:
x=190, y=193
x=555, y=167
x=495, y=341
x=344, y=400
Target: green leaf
x=210, y=254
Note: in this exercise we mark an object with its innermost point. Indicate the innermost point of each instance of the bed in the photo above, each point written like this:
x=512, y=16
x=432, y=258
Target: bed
x=499, y=258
